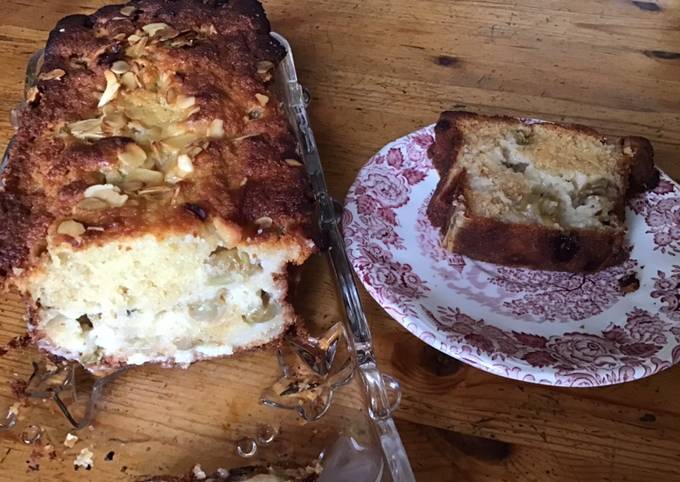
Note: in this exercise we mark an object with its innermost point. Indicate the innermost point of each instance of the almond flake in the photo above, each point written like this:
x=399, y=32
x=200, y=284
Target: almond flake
x=133, y=156
x=195, y=151
x=216, y=129
x=264, y=222
x=181, y=141
x=184, y=164
x=92, y=204
x=185, y=101
x=153, y=28
x=119, y=67
x=114, y=123
x=264, y=66
x=128, y=11
x=293, y=162
x=155, y=190
x=108, y=193
x=111, y=90
x=129, y=80
x=71, y=228
x=87, y=129
x=262, y=99
x=131, y=186
x=32, y=94
x=147, y=176
x=52, y=75
x=208, y=29
x=136, y=49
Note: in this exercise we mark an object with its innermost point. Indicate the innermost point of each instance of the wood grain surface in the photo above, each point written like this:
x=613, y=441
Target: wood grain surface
x=376, y=71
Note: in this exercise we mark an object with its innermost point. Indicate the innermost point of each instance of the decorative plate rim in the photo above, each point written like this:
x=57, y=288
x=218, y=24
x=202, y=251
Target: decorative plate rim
x=628, y=341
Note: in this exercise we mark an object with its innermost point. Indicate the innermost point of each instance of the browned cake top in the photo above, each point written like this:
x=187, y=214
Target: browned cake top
x=156, y=116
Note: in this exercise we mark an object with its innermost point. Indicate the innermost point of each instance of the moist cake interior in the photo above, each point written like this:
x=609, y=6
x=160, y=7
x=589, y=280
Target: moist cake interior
x=536, y=174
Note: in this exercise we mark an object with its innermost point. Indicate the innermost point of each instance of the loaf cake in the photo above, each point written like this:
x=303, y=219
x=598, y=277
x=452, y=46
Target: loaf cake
x=154, y=202
x=537, y=195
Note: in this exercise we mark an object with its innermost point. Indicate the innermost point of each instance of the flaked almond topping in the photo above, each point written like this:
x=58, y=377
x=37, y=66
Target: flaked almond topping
x=216, y=129
x=120, y=67
x=87, y=129
x=92, y=204
x=52, y=74
x=147, y=176
x=131, y=186
x=265, y=222
x=293, y=162
x=264, y=66
x=111, y=90
x=173, y=130
x=208, y=28
x=182, y=41
x=185, y=101
x=129, y=80
x=195, y=151
x=71, y=228
x=262, y=99
x=132, y=156
x=113, y=177
x=134, y=38
x=119, y=36
x=184, y=164
x=114, y=123
x=154, y=28
x=127, y=11
x=181, y=141
x=155, y=190
x=32, y=94
x=136, y=49
x=163, y=82
x=106, y=192
x=95, y=228
x=171, y=95
x=246, y=136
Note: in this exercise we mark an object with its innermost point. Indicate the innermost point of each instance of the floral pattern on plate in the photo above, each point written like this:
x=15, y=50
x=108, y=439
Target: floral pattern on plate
x=545, y=327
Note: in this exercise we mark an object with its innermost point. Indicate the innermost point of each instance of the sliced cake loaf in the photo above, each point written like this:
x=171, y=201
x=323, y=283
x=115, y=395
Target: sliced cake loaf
x=539, y=195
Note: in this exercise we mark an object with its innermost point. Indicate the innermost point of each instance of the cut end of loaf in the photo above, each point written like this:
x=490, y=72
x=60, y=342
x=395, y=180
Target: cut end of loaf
x=539, y=195
x=175, y=299
x=541, y=174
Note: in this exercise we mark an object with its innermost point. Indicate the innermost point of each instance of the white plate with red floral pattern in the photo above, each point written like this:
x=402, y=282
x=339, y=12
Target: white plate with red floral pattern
x=544, y=327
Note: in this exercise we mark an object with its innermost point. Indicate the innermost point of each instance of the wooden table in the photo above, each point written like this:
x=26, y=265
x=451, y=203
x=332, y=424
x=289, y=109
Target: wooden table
x=377, y=70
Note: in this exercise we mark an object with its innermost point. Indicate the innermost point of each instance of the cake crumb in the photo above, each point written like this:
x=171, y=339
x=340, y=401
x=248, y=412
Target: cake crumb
x=629, y=283
x=13, y=410
x=222, y=473
x=198, y=472
x=84, y=459
x=70, y=440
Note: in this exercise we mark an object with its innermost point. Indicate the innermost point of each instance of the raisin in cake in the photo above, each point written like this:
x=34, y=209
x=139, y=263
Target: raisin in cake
x=154, y=202
x=539, y=195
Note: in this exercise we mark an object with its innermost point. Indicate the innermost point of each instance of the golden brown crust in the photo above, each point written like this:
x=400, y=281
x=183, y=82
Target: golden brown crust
x=529, y=245
x=238, y=180
x=540, y=247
